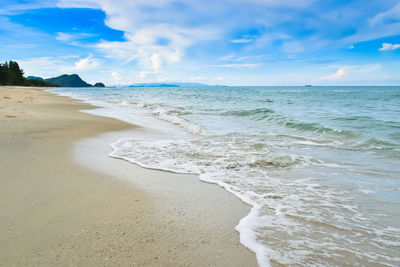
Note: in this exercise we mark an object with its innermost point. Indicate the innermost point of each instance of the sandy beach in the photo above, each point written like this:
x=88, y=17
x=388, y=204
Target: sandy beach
x=66, y=203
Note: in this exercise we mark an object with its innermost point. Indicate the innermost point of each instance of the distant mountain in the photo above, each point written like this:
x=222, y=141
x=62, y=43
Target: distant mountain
x=153, y=85
x=99, y=85
x=66, y=80
x=169, y=85
x=34, y=78
x=193, y=84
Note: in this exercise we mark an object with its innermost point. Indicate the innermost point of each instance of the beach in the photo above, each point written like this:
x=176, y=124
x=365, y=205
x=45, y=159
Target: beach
x=57, y=210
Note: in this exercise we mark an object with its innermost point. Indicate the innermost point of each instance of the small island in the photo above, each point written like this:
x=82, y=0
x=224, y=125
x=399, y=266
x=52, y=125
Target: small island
x=99, y=85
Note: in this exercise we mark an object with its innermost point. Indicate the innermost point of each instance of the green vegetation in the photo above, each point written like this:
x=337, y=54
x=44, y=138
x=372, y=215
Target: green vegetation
x=11, y=74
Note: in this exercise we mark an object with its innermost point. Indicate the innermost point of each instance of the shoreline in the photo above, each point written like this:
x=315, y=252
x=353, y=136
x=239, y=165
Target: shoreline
x=59, y=207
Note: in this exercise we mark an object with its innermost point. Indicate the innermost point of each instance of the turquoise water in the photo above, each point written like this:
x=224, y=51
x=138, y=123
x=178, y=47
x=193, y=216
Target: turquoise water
x=320, y=166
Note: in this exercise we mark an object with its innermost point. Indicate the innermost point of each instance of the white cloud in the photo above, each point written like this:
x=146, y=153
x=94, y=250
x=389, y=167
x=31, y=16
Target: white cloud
x=347, y=73
x=340, y=73
x=389, y=15
x=242, y=41
x=116, y=76
x=367, y=68
x=84, y=64
x=11, y=9
x=226, y=57
x=151, y=76
x=65, y=37
x=389, y=47
x=382, y=25
x=219, y=79
x=68, y=37
x=77, y=4
x=373, y=33
x=143, y=29
x=156, y=61
x=142, y=44
x=293, y=47
x=145, y=22
x=280, y=3
x=237, y=66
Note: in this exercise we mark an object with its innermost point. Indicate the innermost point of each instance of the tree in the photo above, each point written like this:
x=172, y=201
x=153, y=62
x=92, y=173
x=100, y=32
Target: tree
x=16, y=75
x=4, y=74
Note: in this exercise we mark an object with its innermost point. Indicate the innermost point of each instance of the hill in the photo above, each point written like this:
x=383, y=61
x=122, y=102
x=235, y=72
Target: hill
x=66, y=80
x=99, y=85
x=34, y=78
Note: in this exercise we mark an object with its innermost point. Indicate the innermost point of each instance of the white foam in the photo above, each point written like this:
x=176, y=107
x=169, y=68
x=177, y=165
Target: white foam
x=175, y=119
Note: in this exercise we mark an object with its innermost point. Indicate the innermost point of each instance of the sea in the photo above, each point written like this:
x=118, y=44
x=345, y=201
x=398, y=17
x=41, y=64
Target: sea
x=319, y=166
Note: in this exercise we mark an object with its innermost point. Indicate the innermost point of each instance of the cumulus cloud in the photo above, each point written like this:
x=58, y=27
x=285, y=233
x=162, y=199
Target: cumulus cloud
x=389, y=47
x=145, y=22
x=84, y=64
x=142, y=44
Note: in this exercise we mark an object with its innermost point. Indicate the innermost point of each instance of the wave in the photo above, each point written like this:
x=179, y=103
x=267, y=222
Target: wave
x=368, y=122
x=269, y=115
x=173, y=117
x=374, y=144
x=257, y=114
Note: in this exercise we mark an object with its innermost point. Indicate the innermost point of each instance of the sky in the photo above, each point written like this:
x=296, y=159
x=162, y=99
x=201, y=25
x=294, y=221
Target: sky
x=225, y=42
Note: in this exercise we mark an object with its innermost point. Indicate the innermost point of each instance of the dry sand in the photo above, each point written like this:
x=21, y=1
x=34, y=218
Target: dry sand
x=55, y=211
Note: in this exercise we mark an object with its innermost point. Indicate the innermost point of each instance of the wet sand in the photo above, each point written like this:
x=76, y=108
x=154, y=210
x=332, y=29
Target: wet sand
x=64, y=202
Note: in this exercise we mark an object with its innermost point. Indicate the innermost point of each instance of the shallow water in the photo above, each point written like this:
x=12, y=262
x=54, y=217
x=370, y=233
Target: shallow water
x=320, y=165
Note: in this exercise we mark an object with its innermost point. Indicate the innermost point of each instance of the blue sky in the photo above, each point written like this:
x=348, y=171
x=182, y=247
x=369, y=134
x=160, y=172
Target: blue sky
x=231, y=42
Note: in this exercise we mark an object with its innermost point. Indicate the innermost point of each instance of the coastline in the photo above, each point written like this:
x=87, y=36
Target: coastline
x=59, y=206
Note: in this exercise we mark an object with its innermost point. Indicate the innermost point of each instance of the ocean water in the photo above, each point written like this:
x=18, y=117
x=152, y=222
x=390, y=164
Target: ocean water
x=320, y=166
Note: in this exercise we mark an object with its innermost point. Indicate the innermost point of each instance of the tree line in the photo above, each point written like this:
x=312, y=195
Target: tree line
x=11, y=74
